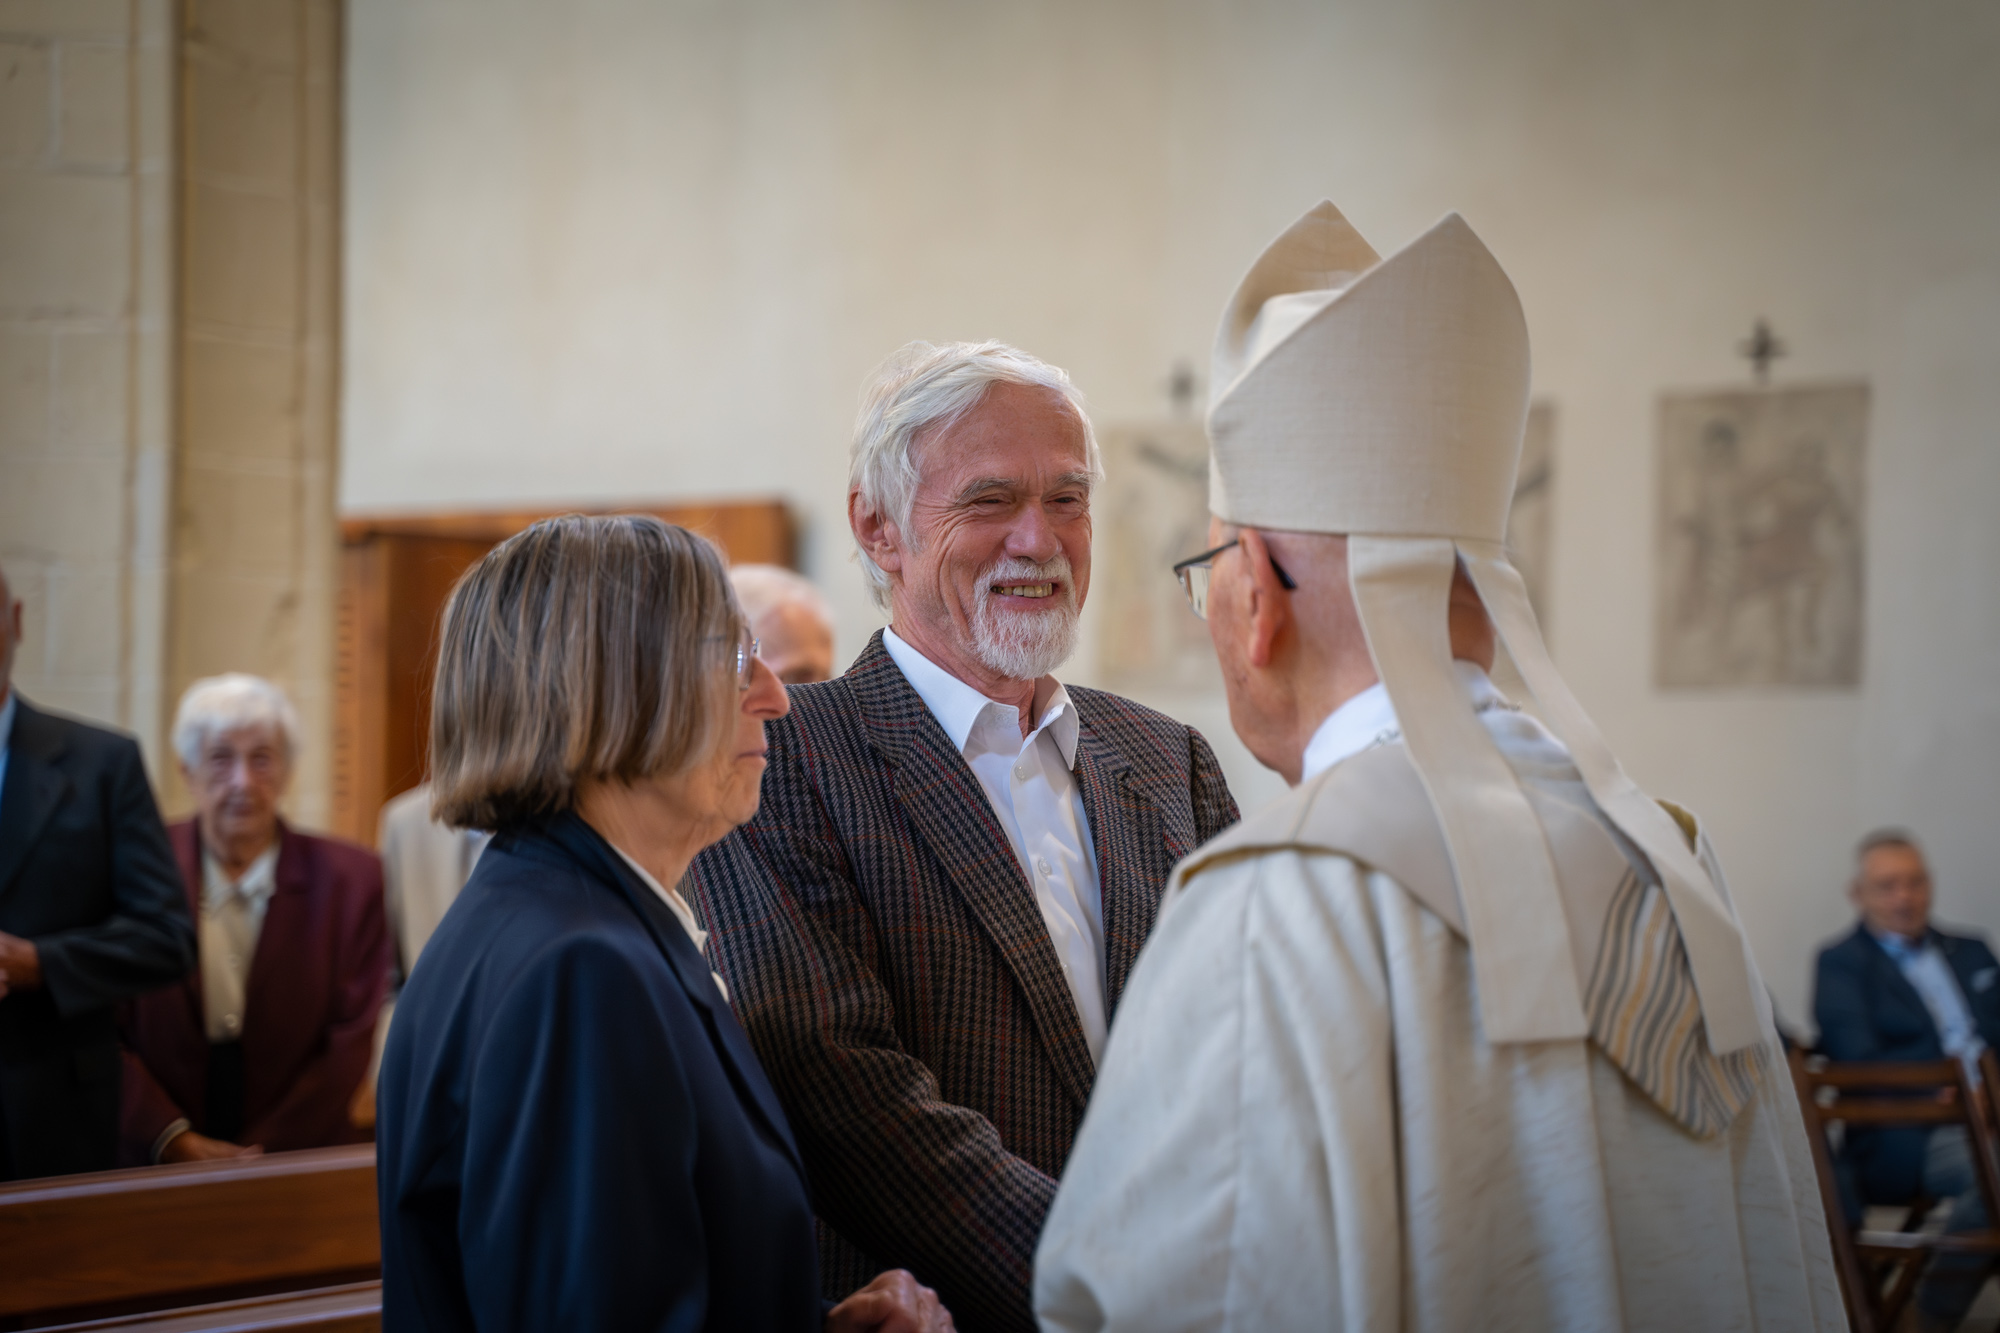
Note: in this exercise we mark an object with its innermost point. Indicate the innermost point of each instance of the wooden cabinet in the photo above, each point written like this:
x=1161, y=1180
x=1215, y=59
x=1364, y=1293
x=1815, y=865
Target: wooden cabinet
x=395, y=576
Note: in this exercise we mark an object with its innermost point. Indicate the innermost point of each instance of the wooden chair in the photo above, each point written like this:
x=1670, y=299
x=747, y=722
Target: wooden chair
x=1880, y=1270
x=1989, y=1096
x=128, y=1243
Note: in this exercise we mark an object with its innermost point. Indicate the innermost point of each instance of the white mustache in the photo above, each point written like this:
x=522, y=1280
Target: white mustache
x=1026, y=644
x=1015, y=572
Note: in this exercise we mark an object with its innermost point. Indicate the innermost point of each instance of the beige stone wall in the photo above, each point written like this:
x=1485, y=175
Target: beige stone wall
x=630, y=249
x=168, y=222
x=255, y=547
x=85, y=146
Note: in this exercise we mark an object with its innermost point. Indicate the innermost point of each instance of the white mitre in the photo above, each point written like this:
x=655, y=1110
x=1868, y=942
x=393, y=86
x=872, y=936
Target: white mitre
x=1385, y=399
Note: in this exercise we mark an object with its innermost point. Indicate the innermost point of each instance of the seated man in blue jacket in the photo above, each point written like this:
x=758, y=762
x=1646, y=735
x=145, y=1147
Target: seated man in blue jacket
x=1898, y=988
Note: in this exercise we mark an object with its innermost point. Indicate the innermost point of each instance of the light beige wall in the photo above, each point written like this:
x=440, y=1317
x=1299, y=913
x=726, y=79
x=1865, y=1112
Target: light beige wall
x=168, y=288
x=631, y=249
x=85, y=349
x=255, y=545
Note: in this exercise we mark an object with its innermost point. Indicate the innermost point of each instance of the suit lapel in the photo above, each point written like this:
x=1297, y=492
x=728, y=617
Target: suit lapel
x=1123, y=824
x=186, y=842
x=1892, y=979
x=284, y=938
x=949, y=810
x=696, y=978
x=35, y=787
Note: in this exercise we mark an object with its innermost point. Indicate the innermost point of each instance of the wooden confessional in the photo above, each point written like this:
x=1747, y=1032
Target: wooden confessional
x=395, y=575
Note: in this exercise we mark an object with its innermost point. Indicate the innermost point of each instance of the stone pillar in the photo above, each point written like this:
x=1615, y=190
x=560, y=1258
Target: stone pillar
x=86, y=202
x=255, y=542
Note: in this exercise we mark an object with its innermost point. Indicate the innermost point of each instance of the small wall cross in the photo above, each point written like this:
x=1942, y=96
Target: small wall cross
x=1181, y=386
x=1760, y=349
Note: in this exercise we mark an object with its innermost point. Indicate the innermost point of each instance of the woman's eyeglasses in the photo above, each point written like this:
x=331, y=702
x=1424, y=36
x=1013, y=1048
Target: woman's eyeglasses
x=747, y=649
x=1195, y=572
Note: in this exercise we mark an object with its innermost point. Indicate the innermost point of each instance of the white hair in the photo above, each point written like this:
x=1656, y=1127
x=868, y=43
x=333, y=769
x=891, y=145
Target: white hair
x=762, y=589
x=927, y=388
x=224, y=703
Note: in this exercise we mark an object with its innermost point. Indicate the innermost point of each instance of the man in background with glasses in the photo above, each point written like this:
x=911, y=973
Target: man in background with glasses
x=1462, y=1032
x=928, y=925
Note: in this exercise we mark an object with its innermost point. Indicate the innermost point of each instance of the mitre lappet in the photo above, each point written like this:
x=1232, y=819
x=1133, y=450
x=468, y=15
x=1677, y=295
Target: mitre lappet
x=1385, y=399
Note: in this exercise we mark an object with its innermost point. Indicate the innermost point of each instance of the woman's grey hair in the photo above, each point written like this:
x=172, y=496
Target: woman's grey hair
x=922, y=391
x=580, y=650
x=216, y=704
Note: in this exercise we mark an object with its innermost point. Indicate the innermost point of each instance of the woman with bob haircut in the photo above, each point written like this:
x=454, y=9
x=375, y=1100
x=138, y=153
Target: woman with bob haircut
x=573, y=1132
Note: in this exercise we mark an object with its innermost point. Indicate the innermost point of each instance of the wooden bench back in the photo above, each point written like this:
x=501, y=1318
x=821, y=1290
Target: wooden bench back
x=1880, y=1271
x=163, y=1236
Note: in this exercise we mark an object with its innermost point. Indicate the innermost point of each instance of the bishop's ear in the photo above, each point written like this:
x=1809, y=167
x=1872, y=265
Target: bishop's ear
x=878, y=536
x=1267, y=605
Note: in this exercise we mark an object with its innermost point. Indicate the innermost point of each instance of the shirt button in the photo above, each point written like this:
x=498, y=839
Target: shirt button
x=231, y=1023
x=1042, y=864
x=1021, y=771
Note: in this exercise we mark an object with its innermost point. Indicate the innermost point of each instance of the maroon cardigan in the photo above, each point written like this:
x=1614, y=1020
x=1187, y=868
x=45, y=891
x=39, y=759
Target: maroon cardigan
x=316, y=983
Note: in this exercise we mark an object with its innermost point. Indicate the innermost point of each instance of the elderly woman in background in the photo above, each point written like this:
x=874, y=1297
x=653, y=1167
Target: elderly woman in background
x=573, y=1131
x=264, y=1043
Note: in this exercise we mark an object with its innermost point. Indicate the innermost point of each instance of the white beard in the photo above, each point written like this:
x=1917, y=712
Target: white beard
x=1025, y=645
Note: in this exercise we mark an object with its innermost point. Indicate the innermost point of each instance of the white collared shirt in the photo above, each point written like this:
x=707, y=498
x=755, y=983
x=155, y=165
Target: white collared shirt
x=232, y=919
x=1030, y=783
x=679, y=907
x=1369, y=719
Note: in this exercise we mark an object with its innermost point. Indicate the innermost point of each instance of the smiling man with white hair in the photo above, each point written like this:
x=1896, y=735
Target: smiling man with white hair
x=929, y=923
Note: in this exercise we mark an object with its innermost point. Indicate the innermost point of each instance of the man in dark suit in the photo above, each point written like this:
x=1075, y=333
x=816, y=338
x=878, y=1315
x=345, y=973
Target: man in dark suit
x=928, y=925
x=90, y=914
x=264, y=1043
x=1898, y=988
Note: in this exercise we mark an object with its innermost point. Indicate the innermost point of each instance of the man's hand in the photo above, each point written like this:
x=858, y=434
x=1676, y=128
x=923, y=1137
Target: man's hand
x=189, y=1146
x=895, y=1302
x=20, y=964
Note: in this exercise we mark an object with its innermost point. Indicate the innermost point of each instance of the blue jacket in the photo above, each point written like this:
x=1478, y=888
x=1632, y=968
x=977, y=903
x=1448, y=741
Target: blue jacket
x=1867, y=1010
x=573, y=1132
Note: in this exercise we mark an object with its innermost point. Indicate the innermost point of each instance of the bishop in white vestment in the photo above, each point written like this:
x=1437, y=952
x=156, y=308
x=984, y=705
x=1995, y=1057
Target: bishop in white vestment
x=1462, y=1033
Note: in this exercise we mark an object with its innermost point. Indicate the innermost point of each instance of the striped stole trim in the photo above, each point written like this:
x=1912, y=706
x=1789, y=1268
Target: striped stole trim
x=1644, y=1014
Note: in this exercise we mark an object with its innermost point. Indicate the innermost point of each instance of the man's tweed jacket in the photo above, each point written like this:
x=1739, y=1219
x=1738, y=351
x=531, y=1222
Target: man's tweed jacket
x=886, y=953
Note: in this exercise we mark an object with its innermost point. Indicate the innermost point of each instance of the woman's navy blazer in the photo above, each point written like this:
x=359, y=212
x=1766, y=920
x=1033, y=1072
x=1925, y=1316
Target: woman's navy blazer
x=573, y=1132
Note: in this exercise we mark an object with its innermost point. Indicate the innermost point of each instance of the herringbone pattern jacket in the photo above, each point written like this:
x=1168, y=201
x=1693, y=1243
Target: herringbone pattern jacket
x=884, y=950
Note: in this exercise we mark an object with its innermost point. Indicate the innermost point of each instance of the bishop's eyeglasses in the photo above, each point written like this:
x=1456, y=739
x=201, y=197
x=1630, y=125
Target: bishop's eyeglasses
x=1195, y=572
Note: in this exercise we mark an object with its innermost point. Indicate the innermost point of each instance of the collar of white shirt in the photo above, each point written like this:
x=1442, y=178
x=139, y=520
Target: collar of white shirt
x=957, y=706
x=256, y=884
x=678, y=906
x=1369, y=719
x=675, y=903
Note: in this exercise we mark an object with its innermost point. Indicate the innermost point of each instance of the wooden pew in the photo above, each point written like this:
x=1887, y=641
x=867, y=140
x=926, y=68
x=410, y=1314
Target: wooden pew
x=354, y=1308
x=125, y=1243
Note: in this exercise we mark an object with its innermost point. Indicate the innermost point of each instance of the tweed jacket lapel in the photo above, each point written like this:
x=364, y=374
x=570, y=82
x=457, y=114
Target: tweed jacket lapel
x=948, y=808
x=1122, y=821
